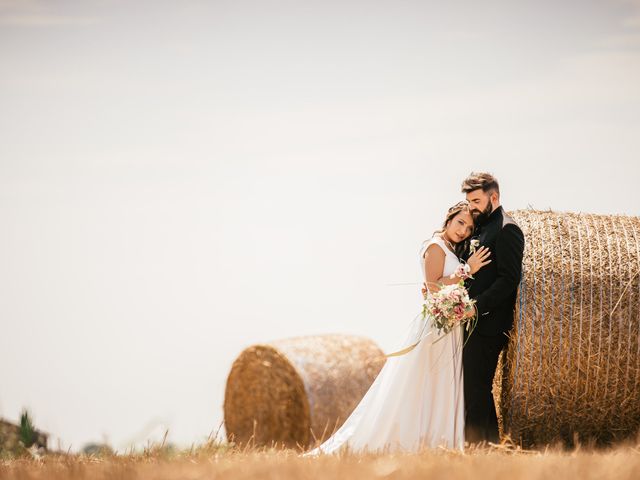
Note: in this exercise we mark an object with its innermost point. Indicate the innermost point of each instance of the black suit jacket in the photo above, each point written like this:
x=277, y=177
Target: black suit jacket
x=495, y=286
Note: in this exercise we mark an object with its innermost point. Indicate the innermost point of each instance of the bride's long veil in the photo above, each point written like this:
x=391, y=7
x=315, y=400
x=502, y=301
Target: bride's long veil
x=419, y=328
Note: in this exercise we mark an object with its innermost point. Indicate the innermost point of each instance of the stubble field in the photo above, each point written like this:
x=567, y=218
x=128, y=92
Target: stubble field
x=222, y=462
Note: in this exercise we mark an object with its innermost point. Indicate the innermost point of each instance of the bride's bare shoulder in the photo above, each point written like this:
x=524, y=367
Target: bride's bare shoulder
x=433, y=249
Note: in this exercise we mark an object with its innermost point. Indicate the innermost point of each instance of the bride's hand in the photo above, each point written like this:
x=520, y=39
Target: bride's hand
x=471, y=313
x=479, y=259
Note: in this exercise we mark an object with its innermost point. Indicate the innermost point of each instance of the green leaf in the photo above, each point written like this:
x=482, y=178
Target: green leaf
x=27, y=431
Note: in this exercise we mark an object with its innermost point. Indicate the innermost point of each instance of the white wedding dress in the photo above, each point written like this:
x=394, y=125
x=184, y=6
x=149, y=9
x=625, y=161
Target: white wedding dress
x=417, y=399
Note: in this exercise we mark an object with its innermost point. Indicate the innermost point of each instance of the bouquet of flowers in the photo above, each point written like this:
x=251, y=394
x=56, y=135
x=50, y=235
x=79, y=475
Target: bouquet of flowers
x=448, y=307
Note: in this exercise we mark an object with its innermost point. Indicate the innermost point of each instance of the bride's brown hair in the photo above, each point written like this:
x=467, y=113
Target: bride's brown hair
x=461, y=206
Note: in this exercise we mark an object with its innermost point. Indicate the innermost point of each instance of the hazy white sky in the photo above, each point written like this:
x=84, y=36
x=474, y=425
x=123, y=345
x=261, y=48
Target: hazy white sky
x=180, y=180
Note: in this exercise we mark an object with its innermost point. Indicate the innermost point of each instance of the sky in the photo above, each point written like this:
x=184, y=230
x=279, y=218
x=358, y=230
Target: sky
x=181, y=180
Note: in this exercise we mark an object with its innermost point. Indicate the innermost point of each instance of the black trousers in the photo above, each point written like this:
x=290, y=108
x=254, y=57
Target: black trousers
x=479, y=360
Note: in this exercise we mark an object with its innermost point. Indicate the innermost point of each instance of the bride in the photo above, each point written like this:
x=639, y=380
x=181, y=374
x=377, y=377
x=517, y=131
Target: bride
x=417, y=399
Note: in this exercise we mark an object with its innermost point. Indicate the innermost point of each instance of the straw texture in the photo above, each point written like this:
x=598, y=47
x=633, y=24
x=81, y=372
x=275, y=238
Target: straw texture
x=296, y=391
x=572, y=365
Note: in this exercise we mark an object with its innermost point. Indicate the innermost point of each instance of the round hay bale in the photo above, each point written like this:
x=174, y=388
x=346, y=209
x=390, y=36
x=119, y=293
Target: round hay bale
x=296, y=391
x=572, y=365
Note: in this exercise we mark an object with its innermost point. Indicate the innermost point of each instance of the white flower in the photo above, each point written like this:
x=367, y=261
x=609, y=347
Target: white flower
x=447, y=289
x=463, y=271
x=475, y=243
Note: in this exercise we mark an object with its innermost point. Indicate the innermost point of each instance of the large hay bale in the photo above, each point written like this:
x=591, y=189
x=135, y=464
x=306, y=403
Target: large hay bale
x=572, y=366
x=296, y=391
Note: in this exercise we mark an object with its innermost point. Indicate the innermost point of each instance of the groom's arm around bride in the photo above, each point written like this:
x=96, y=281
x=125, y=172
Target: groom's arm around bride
x=494, y=288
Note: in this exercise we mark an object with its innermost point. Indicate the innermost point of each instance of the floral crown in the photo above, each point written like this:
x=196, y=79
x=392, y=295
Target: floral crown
x=460, y=204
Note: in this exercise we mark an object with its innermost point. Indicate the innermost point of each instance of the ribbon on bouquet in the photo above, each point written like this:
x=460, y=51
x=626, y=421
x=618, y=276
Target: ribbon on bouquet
x=406, y=350
x=403, y=351
x=423, y=317
x=420, y=336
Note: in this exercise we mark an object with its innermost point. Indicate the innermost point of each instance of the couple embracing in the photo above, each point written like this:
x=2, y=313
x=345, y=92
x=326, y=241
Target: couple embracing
x=438, y=393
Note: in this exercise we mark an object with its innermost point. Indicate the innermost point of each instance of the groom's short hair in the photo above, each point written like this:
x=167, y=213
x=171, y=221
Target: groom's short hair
x=483, y=180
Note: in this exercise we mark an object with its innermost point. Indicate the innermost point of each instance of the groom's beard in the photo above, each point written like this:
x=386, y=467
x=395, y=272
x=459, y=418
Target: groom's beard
x=483, y=216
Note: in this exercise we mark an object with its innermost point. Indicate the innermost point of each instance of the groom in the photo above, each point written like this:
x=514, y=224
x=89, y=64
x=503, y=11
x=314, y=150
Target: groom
x=494, y=288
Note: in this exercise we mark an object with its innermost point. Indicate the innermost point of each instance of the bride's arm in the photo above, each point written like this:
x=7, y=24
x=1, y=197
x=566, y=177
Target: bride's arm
x=434, y=259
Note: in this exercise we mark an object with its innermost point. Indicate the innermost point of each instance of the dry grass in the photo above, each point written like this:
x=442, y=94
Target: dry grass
x=220, y=462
